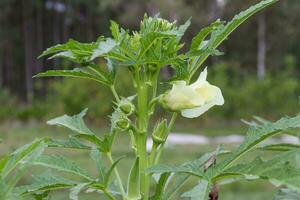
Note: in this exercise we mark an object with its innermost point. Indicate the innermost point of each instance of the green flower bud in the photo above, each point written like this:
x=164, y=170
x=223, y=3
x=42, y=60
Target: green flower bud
x=122, y=124
x=160, y=132
x=126, y=106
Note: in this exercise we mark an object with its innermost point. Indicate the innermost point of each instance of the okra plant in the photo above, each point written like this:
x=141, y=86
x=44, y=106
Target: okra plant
x=144, y=53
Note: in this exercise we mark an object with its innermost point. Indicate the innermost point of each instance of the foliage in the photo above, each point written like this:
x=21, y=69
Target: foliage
x=144, y=53
x=265, y=97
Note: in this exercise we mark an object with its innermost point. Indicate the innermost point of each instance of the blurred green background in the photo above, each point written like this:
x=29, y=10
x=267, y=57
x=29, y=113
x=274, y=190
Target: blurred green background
x=259, y=73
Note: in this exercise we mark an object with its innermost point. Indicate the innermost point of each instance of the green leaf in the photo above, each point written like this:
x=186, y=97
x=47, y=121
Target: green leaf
x=103, y=48
x=73, y=50
x=3, y=162
x=115, y=29
x=3, y=188
x=110, y=170
x=192, y=167
x=213, y=52
x=219, y=34
x=280, y=147
x=200, y=192
x=75, y=73
x=46, y=182
x=20, y=155
x=287, y=194
x=103, y=145
x=75, y=123
x=133, y=185
x=197, y=41
x=62, y=164
x=71, y=143
x=255, y=135
x=182, y=28
x=160, y=186
x=74, y=192
x=277, y=170
x=97, y=158
x=180, y=179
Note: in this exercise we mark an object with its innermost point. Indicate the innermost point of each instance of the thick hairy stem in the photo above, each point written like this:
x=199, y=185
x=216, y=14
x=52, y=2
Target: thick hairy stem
x=142, y=137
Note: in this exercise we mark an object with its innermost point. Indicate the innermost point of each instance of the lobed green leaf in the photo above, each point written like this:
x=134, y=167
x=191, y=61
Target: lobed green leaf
x=62, y=164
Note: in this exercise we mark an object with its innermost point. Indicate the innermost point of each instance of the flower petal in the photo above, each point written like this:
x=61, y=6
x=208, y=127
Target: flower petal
x=196, y=112
x=201, y=80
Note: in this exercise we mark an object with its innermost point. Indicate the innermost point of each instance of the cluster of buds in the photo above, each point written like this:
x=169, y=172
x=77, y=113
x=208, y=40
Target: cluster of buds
x=120, y=118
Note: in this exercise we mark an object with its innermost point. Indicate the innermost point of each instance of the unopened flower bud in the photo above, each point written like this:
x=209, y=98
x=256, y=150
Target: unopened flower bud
x=160, y=132
x=122, y=124
x=127, y=108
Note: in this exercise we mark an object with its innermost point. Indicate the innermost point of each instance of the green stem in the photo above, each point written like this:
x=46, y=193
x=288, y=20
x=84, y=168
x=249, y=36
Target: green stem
x=154, y=92
x=153, y=153
x=142, y=122
x=112, y=87
x=119, y=180
x=172, y=192
x=109, y=196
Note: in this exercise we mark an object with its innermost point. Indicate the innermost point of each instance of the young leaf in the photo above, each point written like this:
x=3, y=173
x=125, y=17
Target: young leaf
x=62, y=164
x=103, y=48
x=75, y=123
x=115, y=29
x=133, y=185
x=200, y=192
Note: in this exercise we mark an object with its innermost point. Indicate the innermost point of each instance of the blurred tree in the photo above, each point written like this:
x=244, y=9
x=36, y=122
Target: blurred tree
x=29, y=26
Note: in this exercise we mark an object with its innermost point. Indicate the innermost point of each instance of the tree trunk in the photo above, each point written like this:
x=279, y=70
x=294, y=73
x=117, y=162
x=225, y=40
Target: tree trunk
x=261, y=47
x=28, y=30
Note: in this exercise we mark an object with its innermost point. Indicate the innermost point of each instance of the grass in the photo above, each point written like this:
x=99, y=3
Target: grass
x=16, y=134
